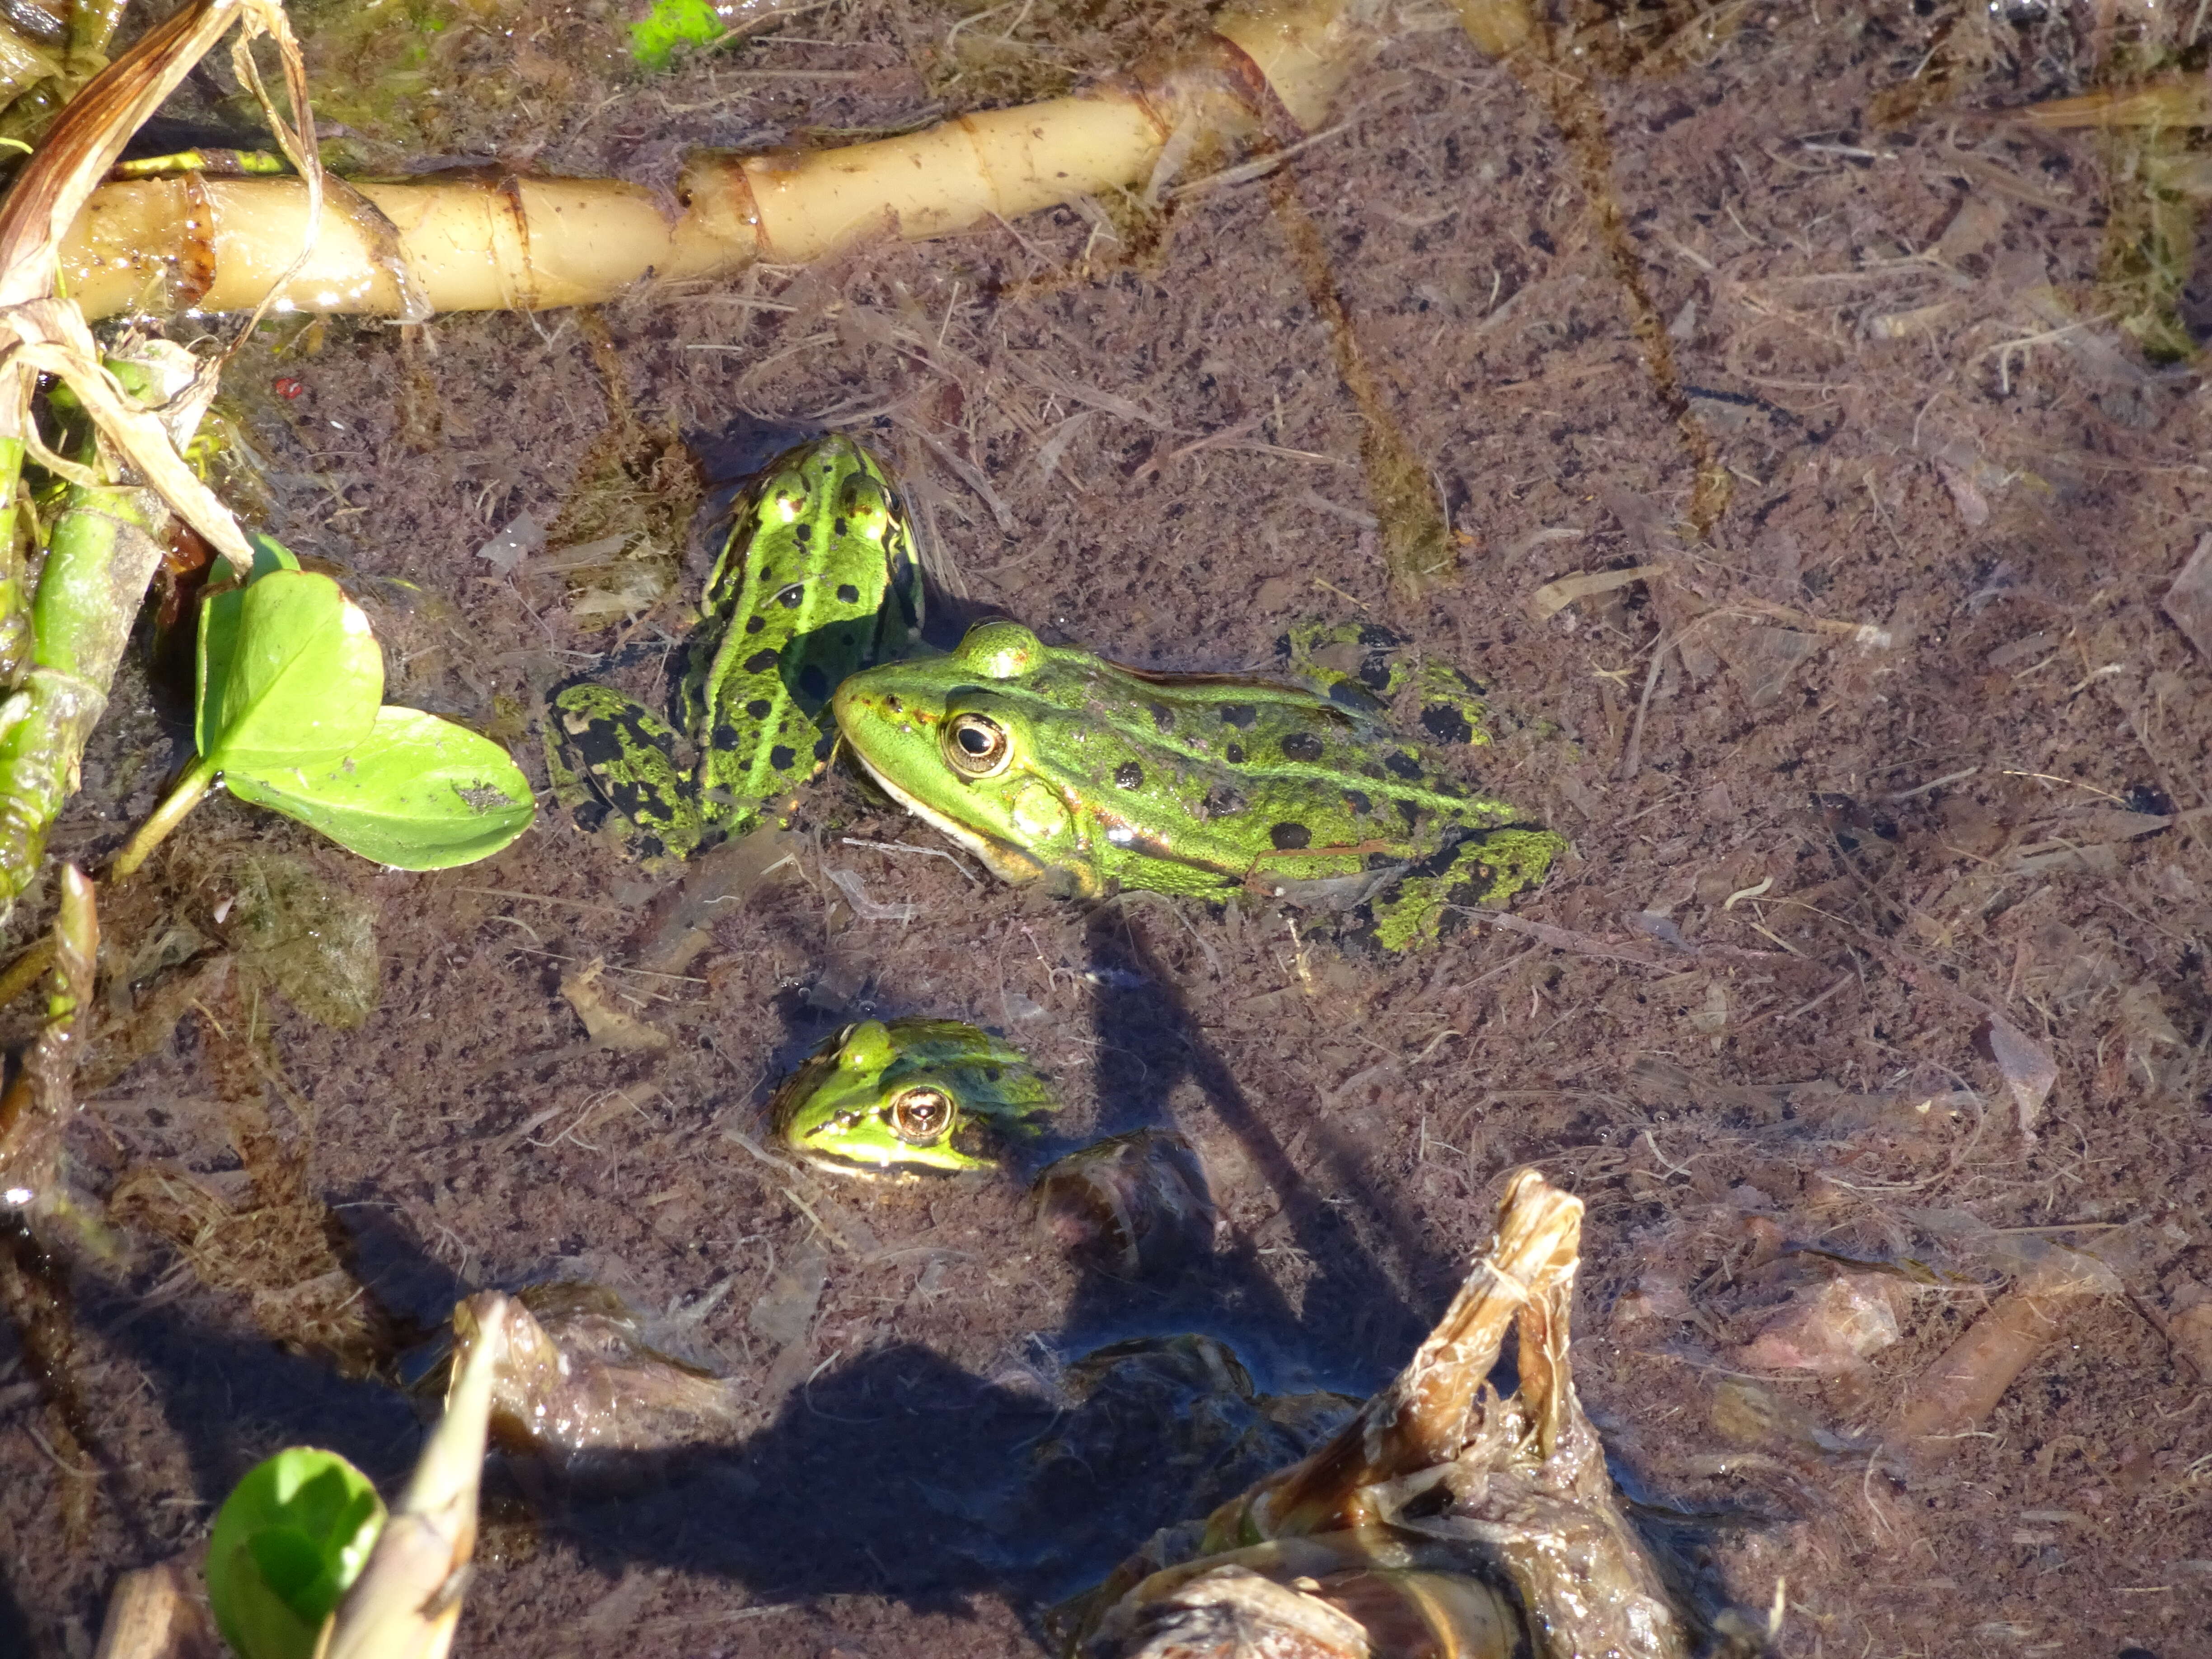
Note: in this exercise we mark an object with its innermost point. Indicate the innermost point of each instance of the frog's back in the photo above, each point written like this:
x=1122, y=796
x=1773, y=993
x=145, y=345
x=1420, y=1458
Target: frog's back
x=818, y=580
x=1242, y=774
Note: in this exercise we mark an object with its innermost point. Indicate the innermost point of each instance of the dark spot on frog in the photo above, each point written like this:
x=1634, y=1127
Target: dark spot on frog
x=1129, y=776
x=781, y=758
x=1406, y=766
x=1370, y=770
x=1238, y=714
x=839, y=529
x=1376, y=637
x=1162, y=718
x=1302, y=746
x=992, y=1074
x=755, y=623
x=727, y=737
x=813, y=682
x=1349, y=696
x=804, y=533
x=1411, y=813
x=1221, y=802
x=1359, y=802
x=1446, y=724
x=758, y=708
x=1290, y=837
x=1234, y=754
x=847, y=594
x=791, y=596
x=761, y=661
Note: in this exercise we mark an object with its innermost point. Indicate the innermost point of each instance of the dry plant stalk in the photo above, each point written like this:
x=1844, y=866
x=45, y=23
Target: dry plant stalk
x=407, y=1601
x=409, y=249
x=1399, y=1533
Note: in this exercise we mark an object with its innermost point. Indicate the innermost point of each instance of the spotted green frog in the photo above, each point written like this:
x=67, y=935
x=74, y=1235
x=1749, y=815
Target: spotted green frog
x=1049, y=760
x=818, y=579
x=908, y=1098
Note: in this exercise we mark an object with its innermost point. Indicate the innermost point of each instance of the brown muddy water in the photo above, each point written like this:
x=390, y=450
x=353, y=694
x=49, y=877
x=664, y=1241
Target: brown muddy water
x=1903, y=740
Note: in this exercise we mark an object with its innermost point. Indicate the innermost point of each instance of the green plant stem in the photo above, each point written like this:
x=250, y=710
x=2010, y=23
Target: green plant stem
x=191, y=789
x=14, y=579
x=101, y=556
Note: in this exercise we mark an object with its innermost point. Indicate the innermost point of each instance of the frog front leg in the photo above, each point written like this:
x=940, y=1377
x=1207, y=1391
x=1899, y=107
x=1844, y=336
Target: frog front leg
x=613, y=765
x=1485, y=869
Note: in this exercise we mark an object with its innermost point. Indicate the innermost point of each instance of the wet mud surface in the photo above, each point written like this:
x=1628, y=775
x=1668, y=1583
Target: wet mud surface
x=1903, y=741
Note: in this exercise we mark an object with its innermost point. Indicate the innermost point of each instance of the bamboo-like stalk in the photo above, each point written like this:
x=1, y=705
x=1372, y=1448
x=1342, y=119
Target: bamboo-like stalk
x=469, y=244
x=101, y=556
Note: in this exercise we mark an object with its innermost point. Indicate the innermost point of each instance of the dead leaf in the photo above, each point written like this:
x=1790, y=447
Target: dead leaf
x=609, y=1026
x=2029, y=1071
x=2188, y=601
x=1553, y=597
x=1763, y=659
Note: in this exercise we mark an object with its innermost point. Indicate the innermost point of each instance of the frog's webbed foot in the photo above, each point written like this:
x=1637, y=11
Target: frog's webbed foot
x=1486, y=869
x=613, y=765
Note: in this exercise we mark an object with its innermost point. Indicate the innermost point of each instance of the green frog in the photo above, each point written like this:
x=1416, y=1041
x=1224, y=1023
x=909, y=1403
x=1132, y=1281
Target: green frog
x=1052, y=762
x=908, y=1098
x=818, y=579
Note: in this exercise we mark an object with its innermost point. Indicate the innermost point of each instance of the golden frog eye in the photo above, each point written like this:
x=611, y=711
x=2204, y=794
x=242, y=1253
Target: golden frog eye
x=976, y=746
x=920, y=1116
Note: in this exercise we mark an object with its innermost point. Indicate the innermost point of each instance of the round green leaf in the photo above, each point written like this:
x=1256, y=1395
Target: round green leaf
x=290, y=672
x=418, y=793
x=287, y=1544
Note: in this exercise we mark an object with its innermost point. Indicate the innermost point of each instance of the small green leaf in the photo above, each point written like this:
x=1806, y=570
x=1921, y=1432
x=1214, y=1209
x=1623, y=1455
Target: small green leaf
x=418, y=793
x=671, y=26
x=290, y=672
x=287, y=1544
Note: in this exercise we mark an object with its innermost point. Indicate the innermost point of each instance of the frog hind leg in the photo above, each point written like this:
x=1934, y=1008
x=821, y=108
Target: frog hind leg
x=1485, y=869
x=613, y=766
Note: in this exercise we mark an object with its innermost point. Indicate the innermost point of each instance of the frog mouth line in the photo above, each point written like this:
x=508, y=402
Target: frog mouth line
x=1007, y=862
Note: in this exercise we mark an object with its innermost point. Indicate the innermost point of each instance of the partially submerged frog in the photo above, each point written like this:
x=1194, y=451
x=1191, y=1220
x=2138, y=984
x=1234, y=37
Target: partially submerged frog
x=908, y=1098
x=818, y=579
x=1053, y=762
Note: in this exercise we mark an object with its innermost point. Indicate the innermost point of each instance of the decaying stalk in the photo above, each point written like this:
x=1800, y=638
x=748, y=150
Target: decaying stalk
x=407, y=1601
x=39, y=1209
x=1395, y=1536
x=38, y=1104
x=1268, y=71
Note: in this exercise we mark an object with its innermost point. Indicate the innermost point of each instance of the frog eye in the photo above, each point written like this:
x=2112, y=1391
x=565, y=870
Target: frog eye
x=976, y=746
x=921, y=1115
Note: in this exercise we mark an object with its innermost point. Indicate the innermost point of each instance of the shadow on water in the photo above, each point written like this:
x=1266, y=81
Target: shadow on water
x=1354, y=1328
x=897, y=1473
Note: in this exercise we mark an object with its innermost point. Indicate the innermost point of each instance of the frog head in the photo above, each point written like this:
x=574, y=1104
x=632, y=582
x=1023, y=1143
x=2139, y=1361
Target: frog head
x=965, y=741
x=907, y=1098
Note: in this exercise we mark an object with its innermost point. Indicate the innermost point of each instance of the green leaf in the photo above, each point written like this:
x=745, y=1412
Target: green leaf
x=671, y=26
x=290, y=672
x=287, y=1544
x=418, y=793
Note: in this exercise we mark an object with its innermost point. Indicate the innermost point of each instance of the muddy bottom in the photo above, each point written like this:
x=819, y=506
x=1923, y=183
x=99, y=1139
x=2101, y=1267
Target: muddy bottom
x=1899, y=760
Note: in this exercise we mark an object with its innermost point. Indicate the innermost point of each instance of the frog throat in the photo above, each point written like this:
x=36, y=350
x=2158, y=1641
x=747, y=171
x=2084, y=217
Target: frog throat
x=1003, y=859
